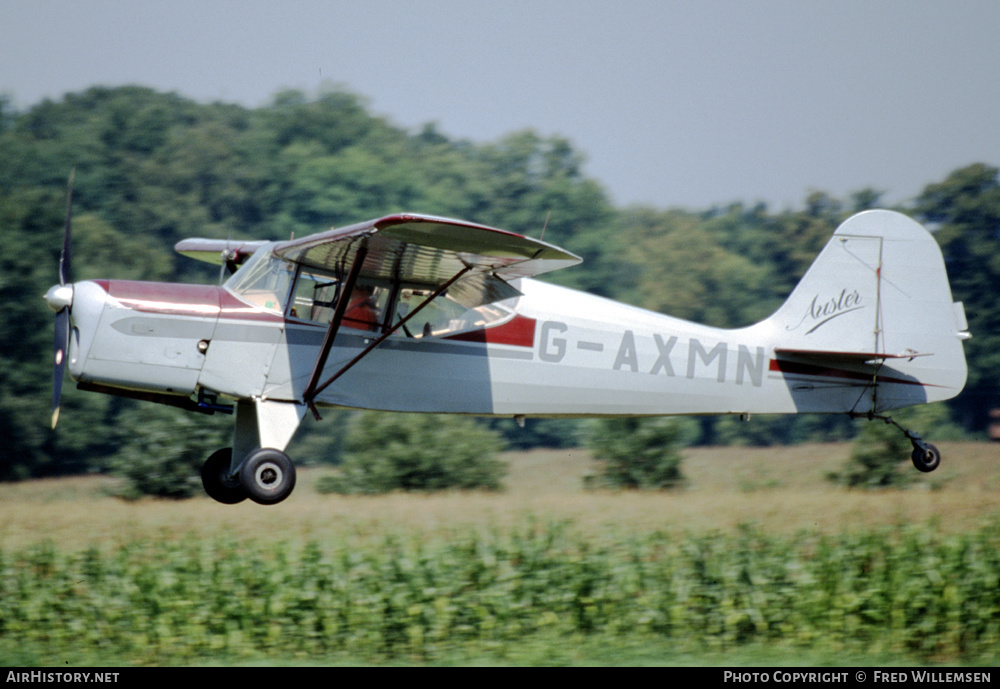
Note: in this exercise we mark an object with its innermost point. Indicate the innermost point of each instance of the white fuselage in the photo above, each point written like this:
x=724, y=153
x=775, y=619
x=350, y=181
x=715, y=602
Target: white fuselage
x=554, y=351
x=568, y=353
x=592, y=357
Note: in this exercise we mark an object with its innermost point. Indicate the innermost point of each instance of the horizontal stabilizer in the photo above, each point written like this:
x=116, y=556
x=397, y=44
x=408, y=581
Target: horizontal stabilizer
x=833, y=356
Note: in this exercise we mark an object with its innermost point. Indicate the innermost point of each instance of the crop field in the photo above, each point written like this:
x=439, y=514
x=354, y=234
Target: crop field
x=758, y=559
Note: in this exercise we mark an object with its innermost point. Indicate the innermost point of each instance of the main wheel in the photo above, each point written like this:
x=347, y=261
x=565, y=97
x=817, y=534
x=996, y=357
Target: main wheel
x=218, y=483
x=926, y=460
x=268, y=476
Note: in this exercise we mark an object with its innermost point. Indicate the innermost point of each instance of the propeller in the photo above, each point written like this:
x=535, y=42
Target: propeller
x=60, y=300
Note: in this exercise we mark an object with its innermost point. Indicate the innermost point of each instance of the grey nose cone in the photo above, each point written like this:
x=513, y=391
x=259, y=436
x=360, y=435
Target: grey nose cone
x=59, y=297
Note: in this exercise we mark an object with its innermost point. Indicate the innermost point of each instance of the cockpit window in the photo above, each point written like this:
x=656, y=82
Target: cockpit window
x=267, y=282
x=369, y=308
x=316, y=295
x=263, y=280
x=444, y=316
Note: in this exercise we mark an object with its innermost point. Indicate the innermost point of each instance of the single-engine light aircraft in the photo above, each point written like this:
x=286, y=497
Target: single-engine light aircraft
x=415, y=313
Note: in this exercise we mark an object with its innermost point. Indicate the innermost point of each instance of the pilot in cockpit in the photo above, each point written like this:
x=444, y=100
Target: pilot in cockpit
x=362, y=312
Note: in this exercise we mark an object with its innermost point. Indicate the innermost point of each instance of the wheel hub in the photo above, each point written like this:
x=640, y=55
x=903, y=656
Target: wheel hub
x=268, y=476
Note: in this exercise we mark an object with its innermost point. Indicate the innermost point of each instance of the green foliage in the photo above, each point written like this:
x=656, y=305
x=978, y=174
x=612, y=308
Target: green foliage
x=554, y=433
x=965, y=209
x=153, y=168
x=910, y=592
x=638, y=452
x=685, y=270
x=880, y=457
x=417, y=452
x=163, y=457
x=764, y=430
x=322, y=442
x=931, y=421
x=875, y=459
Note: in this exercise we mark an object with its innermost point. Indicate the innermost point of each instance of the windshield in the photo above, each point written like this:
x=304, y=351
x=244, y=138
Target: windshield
x=263, y=280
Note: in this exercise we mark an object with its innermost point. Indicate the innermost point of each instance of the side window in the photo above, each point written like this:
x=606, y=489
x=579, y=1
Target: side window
x=443, y=316
x=315, y=296
x=366, y=307
x=315, y=299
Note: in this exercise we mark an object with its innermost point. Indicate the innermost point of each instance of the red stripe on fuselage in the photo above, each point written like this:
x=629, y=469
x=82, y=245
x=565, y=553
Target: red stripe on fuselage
x=518, y=331
x=166, y=297
x=204, y=301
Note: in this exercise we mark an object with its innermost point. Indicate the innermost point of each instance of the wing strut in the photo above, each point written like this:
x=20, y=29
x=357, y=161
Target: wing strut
x=338, y=316
x=313, y=389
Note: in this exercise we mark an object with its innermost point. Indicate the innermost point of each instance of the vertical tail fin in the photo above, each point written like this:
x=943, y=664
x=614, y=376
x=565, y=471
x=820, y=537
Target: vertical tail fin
x=877, y=300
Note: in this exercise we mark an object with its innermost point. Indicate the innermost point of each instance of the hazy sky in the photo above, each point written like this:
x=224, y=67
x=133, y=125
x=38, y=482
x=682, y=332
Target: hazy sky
x=673, y=103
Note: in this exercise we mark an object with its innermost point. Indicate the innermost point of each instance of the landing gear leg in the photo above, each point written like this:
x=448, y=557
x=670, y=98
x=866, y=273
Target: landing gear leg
x=247, y=470
x=925, y=456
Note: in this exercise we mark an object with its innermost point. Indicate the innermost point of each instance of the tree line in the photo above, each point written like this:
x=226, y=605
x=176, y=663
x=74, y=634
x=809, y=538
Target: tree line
x=153, y=168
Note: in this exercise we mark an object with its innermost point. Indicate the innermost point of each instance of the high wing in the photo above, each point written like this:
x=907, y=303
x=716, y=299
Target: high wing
x=422, y=251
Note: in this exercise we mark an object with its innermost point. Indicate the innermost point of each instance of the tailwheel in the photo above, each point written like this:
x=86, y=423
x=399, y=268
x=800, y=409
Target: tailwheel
x=926, y=458
x=219, y=483
x=267, y=476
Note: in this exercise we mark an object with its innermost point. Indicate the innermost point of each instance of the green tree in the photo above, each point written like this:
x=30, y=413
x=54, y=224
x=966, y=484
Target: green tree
x=165, y=449
x=554, y=433
x=417, y=452
x=697, y=279
x=153, y=168
x=638, y=452
x=876, y=458
x=965, y=210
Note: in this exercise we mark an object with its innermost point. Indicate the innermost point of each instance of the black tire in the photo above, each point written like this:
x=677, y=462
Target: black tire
x=926, y=460
x=268, y=476
x=216, y=480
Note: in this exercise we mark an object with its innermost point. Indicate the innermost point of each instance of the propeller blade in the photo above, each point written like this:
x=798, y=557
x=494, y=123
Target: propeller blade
x=61, y=348
x=65, y=275
x=61, y=341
